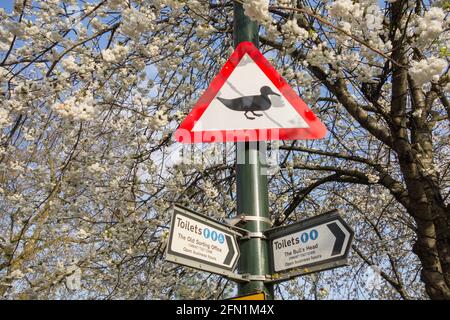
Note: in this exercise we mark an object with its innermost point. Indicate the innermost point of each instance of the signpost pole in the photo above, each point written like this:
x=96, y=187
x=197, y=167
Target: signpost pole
x=252, y=190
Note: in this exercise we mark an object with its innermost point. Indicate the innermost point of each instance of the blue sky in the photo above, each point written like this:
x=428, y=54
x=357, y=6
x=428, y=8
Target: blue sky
x=7, y=5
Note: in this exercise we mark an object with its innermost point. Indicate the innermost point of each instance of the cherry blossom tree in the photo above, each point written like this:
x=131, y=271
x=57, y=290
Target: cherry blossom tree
x=92, y=91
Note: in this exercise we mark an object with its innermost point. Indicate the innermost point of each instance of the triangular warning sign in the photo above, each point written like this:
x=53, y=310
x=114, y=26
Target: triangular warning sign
x=249, y=101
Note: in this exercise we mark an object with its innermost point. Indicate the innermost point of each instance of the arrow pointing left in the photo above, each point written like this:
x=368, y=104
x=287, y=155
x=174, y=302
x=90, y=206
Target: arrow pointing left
x=200, y=242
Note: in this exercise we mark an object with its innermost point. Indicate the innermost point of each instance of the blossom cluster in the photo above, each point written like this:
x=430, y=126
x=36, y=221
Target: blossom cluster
x=135, y=23
x=257, y=10
x=427, y=70
x=74, y=108
x=69, y=64
x=204, y=31
x=345, y=9
x=293, y=32
x=5, y=39
x=430, y=26
x=4, y=118
x=115, y=54
x=158, y=120
x=320, y=55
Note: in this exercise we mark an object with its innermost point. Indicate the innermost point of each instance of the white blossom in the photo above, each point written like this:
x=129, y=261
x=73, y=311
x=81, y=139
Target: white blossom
x=5, y=39
x=272, y=32
x=417, y=113
x=344, y=9
x=429, y=26
x=73, y=281
x=115, y=54
x=210, y=191
x=96, y=168
x=346, y=26
x=152, y=50
x=374, y=18
x=81, y=109
x=374, y=279
x=372, y=178
x=17, y=274
x=158, y=120
x=69, y=64
x=293, y=32
x=108, y=55
x=447, y=88
x=257, y=10
x=4, y=118
x=427, y=70
x=320, y=55
x=82, y=234
x=204, y=31
x=134, y=22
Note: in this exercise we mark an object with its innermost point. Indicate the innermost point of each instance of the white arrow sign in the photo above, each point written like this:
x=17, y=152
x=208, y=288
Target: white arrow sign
x=200, y=242
x=315, y=242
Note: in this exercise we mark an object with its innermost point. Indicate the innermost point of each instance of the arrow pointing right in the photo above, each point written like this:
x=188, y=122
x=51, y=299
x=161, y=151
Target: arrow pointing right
x=231, y=251
x=340, y=238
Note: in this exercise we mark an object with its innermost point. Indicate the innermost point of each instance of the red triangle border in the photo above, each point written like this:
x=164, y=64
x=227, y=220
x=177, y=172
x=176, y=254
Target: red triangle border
x=184, y=132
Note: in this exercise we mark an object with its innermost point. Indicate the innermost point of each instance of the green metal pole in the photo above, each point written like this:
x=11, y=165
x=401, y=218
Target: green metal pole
x=252, y=191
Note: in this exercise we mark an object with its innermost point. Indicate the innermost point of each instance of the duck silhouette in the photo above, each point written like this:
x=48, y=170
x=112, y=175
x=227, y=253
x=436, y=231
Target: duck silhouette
x=251, y=103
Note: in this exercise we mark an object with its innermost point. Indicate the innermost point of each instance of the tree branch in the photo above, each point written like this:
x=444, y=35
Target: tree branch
x=112, y=28
x=398, y=287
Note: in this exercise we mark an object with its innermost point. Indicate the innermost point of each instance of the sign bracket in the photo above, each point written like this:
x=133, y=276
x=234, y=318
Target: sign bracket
x=254, y=277
x=252, y=235
x=247, y=235
x=244, y=218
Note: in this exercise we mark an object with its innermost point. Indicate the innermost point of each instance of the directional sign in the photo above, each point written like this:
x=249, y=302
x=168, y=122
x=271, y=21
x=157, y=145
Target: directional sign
x=249, y=101
x=311, y=245
x=200, y=242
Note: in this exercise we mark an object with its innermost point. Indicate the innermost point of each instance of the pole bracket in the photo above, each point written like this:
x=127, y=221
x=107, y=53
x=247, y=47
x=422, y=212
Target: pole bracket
x=251, y=235
x=256, y=277
x=244, y=218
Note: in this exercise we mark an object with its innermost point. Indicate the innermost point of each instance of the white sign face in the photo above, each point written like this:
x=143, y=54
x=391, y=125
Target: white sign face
x=248, y=82
x=311, y=245
x=201, y=242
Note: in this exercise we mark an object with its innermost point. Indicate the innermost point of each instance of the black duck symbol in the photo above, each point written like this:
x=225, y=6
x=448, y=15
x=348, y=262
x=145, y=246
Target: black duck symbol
x=251, y=103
